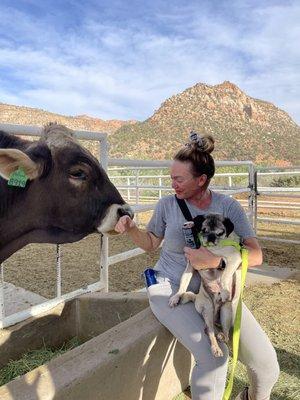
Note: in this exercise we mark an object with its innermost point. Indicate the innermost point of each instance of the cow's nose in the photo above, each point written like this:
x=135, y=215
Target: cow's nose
x=125, y=210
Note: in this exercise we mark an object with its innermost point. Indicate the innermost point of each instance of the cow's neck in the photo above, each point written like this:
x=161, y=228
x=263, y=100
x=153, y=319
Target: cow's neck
x=19, y=225
x=14, y=217
x=37, y=236
x=13, y=232
x=11, y=229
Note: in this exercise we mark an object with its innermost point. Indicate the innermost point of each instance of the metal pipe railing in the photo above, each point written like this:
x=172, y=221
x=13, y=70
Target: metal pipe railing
x=136, y=166
x=36, y=131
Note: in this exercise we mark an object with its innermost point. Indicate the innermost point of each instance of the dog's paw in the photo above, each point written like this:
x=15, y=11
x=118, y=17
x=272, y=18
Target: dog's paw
x=217, y=352
x=185, y=298
x=222, y=337
x=174, y=300
x=224, y=295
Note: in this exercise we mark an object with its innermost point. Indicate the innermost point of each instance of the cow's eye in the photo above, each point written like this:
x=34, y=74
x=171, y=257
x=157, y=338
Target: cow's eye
x=78, y=175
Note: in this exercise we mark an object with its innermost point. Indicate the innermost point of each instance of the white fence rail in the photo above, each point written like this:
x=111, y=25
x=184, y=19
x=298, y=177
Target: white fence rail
x=133, y=189
x=102, y=284
x=138, y=189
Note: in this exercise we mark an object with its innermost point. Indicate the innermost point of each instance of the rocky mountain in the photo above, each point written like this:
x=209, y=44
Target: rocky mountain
x=244, y=128
x=32, y=116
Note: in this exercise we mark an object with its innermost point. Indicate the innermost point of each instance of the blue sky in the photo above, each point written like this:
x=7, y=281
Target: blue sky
x=121, y=59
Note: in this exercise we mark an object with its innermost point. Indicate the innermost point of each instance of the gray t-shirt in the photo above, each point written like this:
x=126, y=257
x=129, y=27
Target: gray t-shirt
x=167, y=221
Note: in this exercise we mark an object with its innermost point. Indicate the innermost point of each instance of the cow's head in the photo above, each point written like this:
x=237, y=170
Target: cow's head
x=68, y=194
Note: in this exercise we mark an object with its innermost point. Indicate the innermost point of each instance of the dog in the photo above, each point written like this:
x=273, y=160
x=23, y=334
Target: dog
x=220, y=289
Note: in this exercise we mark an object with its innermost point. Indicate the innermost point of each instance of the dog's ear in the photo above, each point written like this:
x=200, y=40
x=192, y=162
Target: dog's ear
x=198, y=221
x=228, y=226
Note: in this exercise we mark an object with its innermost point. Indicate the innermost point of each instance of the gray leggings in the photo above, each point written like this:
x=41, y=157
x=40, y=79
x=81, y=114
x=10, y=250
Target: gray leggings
x=209, y=373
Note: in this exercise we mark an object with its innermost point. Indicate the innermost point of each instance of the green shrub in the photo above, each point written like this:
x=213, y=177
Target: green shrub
x=287, y=181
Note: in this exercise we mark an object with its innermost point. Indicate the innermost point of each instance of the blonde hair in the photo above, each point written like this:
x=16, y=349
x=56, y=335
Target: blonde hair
x=197, y=153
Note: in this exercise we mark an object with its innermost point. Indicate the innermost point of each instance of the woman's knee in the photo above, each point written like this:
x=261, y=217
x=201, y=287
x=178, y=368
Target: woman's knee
x=271, y=371
x=275, y=372
x=256, y=350
x=267, y=370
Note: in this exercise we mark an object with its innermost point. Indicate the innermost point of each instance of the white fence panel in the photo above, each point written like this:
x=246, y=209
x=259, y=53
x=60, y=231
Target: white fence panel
x=132, y=186
x=102, y=284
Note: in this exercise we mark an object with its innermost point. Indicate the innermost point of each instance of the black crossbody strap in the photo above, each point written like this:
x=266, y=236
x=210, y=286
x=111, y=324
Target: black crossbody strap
x=184, y=209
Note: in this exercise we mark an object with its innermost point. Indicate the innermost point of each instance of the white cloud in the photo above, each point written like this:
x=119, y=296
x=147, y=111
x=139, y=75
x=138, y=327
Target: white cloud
x=126, y=71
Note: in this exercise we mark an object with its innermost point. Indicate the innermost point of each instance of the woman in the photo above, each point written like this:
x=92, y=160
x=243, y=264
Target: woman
x=191, y=172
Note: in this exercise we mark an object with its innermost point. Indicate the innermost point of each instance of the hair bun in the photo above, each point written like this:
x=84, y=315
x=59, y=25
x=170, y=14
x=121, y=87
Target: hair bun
x=205, y=144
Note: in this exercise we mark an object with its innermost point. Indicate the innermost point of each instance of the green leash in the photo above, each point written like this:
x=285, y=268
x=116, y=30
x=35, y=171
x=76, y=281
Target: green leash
x=237, y=327
x=238, y=315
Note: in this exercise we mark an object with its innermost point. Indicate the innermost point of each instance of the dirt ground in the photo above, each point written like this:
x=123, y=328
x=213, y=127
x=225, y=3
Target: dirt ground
x=275, y=307
x=34, y=267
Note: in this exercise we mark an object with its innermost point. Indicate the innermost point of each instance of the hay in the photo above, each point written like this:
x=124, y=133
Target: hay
x=33, y=359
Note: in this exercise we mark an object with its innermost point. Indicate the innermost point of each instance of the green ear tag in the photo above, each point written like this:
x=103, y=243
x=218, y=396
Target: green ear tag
x=18, y=178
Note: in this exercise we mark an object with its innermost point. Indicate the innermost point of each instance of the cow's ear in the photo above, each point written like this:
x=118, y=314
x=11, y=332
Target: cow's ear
x=12, y=159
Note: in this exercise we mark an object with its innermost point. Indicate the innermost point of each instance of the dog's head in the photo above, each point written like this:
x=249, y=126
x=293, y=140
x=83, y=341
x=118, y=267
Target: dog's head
x=213, y=227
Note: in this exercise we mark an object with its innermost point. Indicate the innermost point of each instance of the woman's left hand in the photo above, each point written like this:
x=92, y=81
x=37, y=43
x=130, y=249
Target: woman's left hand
x=201, y=258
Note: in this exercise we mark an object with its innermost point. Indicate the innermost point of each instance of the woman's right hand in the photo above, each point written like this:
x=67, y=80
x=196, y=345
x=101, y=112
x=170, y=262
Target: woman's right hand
x=124, y=224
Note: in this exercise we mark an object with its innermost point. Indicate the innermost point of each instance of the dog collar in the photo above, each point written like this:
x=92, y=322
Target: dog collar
x=222, y=243
x=229, y=242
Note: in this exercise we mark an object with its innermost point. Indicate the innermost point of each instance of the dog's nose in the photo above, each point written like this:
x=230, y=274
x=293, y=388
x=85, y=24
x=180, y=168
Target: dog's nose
x=211, y=238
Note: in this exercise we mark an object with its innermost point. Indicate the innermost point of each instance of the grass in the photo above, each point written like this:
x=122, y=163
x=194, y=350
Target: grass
x=276, y=308
x=33, y=359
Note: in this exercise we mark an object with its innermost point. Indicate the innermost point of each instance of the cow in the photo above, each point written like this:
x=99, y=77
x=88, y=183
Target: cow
x=67, y=196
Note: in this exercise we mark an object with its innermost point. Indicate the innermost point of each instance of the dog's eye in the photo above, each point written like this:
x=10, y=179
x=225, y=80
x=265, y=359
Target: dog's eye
x=221, y=233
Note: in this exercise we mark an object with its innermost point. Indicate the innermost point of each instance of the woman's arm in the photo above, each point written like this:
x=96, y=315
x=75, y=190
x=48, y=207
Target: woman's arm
x=143, y=239
x=202, y=258
x=255, y=257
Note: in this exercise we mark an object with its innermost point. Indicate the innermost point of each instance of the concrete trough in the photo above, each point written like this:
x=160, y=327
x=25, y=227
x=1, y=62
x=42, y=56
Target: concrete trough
x=126, y=355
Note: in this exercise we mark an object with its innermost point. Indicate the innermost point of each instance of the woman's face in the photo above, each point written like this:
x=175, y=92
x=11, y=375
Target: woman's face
x=186, y=186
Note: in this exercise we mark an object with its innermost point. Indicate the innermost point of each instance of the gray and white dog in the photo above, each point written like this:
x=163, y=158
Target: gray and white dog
x=220, y=288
